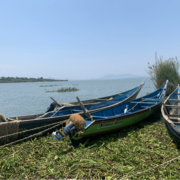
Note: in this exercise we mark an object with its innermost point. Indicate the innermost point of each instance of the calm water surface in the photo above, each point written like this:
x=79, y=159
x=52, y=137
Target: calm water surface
x=29, y=98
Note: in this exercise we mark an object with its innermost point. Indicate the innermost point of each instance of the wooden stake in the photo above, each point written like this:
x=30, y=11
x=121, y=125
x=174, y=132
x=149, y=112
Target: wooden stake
x=86, y=112
x=56, y=102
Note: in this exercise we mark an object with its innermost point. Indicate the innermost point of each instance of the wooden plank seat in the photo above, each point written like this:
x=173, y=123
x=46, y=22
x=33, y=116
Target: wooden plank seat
x=174, y=100
x=100, y=117
x=76, y=111
x=148, y=103
x=173, y=106
x=174, y=118
x=152, y=100
x=128, y=112
x=144, y=107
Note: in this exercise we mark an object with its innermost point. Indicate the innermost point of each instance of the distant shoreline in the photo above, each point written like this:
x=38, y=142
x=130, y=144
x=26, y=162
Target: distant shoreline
x=25, y=79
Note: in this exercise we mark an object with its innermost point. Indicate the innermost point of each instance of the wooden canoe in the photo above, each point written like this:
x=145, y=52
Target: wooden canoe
x=31, y=124
x=121, y=116
x=171, y=112
x=92, y=101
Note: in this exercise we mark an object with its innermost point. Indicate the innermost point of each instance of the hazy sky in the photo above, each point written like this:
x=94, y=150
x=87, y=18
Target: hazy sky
x=84, y=39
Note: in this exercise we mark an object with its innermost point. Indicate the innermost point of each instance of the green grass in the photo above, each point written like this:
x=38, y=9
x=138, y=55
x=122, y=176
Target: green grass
x=49, y=85
x=113, y=156
x=65, y=90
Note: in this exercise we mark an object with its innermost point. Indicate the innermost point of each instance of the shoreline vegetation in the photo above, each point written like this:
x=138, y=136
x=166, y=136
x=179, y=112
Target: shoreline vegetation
x=65, y=90
x=114, y=156
x=25, y=79
x=162, y=70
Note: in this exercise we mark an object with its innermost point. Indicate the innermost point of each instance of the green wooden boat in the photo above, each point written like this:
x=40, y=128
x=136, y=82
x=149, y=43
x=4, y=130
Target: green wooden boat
x=121, y=116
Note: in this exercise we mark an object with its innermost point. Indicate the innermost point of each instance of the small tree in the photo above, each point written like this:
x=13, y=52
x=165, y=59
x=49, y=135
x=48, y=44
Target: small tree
x=165, y=70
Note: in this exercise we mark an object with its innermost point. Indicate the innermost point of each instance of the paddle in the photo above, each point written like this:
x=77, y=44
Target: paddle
x=86, y=112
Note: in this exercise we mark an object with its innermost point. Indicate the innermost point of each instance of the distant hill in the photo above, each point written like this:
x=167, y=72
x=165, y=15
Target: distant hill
x=120, y=76
x=57, y=79
x=112, y=76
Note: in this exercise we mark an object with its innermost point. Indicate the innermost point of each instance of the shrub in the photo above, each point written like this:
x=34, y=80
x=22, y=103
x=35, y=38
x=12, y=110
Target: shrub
x=164, y=70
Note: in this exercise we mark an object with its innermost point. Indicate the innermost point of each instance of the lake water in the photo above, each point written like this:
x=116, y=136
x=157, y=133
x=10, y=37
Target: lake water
x=30, y=98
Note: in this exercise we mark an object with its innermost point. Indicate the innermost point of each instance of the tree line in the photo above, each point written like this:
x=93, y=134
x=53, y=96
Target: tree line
x=24, y=79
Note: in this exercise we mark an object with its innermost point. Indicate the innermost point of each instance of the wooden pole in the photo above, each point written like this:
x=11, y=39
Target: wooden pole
x=86, y=112
x=56, y=102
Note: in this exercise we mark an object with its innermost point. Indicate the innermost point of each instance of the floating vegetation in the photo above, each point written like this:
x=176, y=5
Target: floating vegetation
x=113, y=156
x=65, y=90
x=49, y=85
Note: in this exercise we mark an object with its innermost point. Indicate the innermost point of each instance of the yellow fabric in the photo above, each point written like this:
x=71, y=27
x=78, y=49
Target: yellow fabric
x=78, y=133
x=62, y=132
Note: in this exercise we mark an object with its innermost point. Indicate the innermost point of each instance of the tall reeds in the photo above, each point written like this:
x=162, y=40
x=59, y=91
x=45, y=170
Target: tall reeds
x=163, y=70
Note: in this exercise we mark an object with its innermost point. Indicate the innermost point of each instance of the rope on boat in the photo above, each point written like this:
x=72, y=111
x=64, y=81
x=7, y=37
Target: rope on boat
x=21, y=132
x=41, y=132
x=61, y=131
x=150, y=168
x=143, y=81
